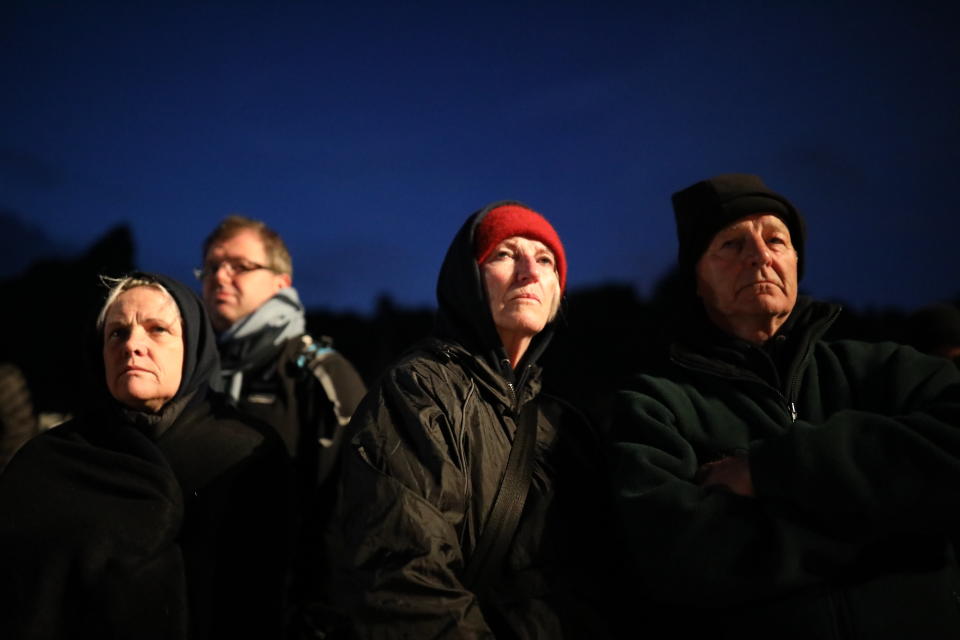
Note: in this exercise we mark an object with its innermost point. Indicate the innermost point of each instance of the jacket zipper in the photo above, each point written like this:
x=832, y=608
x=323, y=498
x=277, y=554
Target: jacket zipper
x=793, y=388
x=789, y=405
x=515, y=390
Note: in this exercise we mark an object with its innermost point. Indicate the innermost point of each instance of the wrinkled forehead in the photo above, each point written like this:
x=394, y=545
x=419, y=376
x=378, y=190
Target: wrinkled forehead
x=525, y=243
x=756, y=222
x=143, y=302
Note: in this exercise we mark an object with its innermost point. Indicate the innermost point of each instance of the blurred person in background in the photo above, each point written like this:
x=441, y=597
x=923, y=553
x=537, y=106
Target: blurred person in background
x=935, y=329
x=18, y=422
x=274, y=370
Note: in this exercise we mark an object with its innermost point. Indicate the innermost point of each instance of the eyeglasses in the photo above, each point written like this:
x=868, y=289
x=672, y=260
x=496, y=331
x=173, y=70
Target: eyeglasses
x=234, y=267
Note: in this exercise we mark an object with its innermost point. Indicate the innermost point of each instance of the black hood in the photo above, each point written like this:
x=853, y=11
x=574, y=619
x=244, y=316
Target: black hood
x=463, y=309
x=201, y=361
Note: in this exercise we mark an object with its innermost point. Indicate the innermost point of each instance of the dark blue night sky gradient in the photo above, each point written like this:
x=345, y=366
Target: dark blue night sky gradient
x=366, y=132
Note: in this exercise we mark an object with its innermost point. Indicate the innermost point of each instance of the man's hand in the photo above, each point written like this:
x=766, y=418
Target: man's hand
x=732, y=472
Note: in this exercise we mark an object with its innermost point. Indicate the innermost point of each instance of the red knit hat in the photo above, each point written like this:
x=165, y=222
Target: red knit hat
x=511, y=220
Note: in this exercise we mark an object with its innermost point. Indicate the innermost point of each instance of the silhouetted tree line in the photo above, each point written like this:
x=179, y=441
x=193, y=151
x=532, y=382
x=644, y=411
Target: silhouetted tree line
x=605, y=333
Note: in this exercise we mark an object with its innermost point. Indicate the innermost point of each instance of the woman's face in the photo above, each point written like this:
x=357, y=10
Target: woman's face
x=143, y=348
x=521, y=280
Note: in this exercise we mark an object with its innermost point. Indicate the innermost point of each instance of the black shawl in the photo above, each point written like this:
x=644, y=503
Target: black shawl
x=108, y=521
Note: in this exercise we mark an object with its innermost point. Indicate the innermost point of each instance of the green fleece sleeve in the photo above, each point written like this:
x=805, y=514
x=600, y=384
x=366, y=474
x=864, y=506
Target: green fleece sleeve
x=890, y=462
x=692, y=545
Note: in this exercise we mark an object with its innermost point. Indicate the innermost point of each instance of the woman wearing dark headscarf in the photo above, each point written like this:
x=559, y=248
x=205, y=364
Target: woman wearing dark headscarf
x=429, y=447
x=160, y=514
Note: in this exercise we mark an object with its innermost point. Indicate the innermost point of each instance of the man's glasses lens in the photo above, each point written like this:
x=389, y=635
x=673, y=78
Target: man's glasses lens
x=233, y=267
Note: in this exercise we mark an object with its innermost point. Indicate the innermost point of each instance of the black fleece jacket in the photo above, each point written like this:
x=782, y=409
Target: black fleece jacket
x=854, y=452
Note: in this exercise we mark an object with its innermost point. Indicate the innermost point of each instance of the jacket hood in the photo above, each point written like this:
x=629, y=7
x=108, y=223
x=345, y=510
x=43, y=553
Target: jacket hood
x=201, y=361
x=463, y=313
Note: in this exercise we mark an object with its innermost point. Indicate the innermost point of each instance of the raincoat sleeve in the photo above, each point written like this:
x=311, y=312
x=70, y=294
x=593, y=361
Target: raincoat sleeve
x=395, y=548
x=890, y=461
x=696, y=545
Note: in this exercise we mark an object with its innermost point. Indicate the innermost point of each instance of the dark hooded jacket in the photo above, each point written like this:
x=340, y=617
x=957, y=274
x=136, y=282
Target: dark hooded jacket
x=427, y=452
x=854, y=453
x=128, y=524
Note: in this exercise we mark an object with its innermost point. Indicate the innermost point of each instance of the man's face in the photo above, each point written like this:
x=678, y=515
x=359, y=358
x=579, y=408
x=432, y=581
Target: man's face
x=748, y=272
x=237, y=282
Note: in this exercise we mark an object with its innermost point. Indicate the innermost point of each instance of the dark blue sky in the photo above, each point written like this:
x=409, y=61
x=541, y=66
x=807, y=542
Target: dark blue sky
x=366, y=133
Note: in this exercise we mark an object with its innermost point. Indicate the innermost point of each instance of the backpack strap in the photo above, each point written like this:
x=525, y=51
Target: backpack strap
x=340, y=381
x=328, y=391
x=486, y=562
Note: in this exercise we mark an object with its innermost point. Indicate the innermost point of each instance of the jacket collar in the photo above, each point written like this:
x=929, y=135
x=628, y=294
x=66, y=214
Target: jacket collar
x=511, y=393
x=705, y=347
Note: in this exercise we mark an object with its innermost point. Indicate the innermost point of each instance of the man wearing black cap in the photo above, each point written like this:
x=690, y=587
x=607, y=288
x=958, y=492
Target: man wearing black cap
x=777, y=484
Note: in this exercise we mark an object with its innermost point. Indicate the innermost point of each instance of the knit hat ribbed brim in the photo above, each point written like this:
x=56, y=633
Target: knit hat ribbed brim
x=511, y=220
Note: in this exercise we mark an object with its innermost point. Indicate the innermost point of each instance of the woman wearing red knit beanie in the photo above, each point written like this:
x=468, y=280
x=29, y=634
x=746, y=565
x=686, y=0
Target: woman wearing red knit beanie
x=524, y=270
x=455, y=518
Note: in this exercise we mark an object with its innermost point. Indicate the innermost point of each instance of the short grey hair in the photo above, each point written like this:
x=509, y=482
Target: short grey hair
x=120, y=285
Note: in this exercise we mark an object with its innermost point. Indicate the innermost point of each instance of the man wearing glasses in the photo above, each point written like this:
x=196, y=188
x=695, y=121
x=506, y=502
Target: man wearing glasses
x=272, y=368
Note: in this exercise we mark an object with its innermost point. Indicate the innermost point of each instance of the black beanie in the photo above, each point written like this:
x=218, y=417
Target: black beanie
x=705, y=208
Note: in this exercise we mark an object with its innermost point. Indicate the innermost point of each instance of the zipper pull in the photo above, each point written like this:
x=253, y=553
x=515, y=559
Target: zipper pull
x=793, y=412
x=516, y=399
